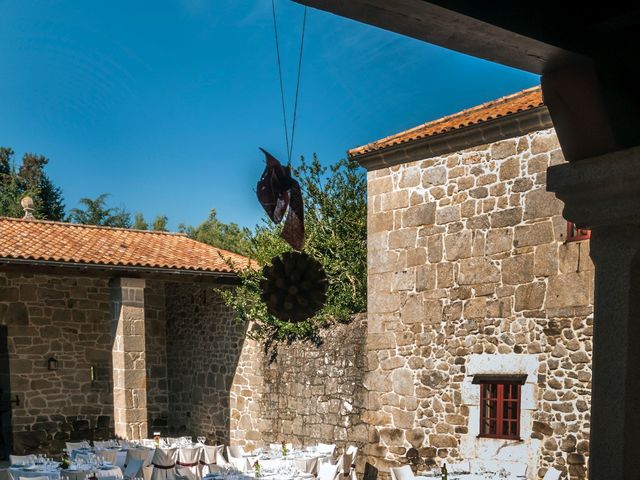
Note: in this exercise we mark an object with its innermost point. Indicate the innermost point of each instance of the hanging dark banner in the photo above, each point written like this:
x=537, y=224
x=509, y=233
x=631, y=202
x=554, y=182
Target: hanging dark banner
x=278, y=192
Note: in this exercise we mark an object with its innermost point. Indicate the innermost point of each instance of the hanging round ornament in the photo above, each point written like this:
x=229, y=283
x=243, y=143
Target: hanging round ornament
x=294, y=286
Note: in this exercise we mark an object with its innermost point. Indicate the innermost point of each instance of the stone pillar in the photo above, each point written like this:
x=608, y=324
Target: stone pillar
x=129, y=368
x=603, y=193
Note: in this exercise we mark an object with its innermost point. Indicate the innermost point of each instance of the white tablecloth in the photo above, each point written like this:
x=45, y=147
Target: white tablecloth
x=100, y=472
x=52, y=472
x=304, y=462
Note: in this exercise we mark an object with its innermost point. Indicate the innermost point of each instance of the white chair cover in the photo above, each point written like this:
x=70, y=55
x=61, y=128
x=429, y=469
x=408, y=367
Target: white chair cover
x=99, y=444
x=236, y=457
x=328, y=449
x=133, y=468
x=344, y=464
x=71, y=446
x=212, y=459
x=189, y=458
x=16, y=459
x=144, y=454
x=108, y=455
x=552, y=474
x=184, y=473
x=401, y=473
x=326, y=471
x=164, y=463
x=353, y=451
x=306, y=465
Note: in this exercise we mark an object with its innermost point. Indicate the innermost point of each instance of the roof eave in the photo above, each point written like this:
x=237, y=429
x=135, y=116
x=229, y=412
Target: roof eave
x=501, y=128
x=173, y=273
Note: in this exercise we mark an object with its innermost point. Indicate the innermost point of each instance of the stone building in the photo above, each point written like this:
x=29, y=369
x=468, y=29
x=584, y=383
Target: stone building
x=476, y=345
x=94, y=326
x=479, y=305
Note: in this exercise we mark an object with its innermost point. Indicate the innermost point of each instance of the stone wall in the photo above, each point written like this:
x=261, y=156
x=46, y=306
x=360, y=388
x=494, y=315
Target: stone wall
x=204, y=345
x=316, y=394
x=468, y=274
x=223, y=386
x=69, y=319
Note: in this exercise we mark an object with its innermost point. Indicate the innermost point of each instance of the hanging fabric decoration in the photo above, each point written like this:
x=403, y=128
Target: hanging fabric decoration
x=294, y=286
x=278, y=192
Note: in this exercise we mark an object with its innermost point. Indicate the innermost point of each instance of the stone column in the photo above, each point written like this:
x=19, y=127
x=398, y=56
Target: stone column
x=129, y=368
x=603, y=193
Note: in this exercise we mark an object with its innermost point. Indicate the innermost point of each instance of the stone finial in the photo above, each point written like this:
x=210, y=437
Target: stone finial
x=28, y=206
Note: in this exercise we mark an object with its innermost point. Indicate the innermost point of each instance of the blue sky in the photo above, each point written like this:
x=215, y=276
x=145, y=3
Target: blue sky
x=164, y=104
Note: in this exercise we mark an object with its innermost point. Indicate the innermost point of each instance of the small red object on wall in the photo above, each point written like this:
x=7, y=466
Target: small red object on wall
x=575, y=234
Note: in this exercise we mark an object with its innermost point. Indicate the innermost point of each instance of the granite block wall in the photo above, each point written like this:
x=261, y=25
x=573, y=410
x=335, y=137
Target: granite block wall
x=469, y=273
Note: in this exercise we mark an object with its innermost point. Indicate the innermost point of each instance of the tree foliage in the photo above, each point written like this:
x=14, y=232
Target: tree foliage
x=29, y=179
x=96, y=212
x=336, y=232
x=228, y=236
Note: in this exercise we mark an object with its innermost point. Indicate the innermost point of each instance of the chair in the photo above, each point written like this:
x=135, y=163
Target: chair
x=326, y=471
x=328, y=449
x=164, y=463
x=212, y=459
x=71, y=446
x=353, y=451
x=100, y=444
x=108, y=455
x=189, y=459
x=552, y=474
x=145, y=454
x=401, y=473
x=15, y=459
x=185, y=473
x=236, y=456
x=132, y=470
x=344, y=465
x=34, y=478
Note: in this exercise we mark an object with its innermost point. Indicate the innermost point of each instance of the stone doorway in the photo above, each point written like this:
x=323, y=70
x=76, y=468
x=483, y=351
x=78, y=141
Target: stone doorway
x=6, y=401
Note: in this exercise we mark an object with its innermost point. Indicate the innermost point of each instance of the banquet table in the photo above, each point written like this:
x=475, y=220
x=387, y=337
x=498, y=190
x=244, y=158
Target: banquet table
x=297, y=461
x=51, y=471
x=82, y=472
x=55, y=473
x=121, y=453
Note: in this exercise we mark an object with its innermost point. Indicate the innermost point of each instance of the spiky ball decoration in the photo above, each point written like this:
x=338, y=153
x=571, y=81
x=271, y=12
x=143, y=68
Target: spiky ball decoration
x=294, y=286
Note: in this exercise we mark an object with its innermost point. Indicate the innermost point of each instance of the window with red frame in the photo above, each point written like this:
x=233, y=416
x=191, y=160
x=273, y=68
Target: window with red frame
x=500, y=407
x=575, y=234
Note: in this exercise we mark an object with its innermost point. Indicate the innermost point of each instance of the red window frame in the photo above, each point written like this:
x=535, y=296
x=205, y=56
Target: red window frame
x=575, y=234
x=500, y=409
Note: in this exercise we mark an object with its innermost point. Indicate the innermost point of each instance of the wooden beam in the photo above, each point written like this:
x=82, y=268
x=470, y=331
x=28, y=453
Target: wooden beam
x=446, y=28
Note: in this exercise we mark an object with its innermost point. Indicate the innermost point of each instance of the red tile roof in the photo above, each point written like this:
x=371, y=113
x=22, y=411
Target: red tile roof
x=87, y=244
x=518, y=102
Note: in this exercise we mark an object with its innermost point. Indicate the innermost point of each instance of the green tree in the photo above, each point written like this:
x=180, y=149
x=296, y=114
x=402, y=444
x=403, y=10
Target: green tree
x=29, y=179
x=160, y=223
x=228, y=236
x=336, y=236
x=96, y=212
x=139, y=223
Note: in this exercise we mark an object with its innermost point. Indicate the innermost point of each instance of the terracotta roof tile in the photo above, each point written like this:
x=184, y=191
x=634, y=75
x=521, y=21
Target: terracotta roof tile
x=88, y=244
x=518, y=102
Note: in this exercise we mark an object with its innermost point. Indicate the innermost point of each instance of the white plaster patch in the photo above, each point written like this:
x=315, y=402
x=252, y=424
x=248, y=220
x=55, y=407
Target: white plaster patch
x=518, y=457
